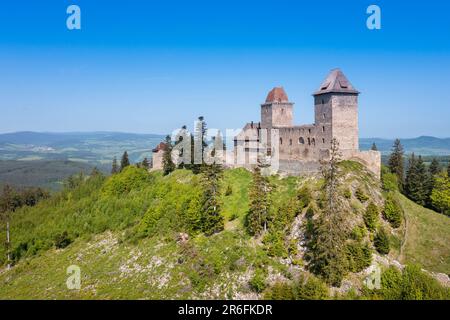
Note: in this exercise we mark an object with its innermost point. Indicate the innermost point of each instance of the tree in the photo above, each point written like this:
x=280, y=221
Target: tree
x=433, y=170
x=417, y=181
x=374, y=147
x=115, y=166
x=448, y=169
x=145, y=164
x=328, y=258
x=168, y=165
x=396, y=164
x=440, y=196
x=371, y=216
x=392, y=211
x=211, y=219
x=381, y=241
x=434, y=167
x=124, y=162
x=259, y=198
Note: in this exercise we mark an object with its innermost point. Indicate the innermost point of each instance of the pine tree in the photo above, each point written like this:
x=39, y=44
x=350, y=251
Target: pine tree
x=328, y=258
x=259, y=198
x=168, y=165
x=417, y=181
x=371, y=216
x=374, y=147
x=435, y=167
x=381, y=241
x=124, y=162
x=211, y=218
x=396, y=164
x=145, y=164
x=115, y=166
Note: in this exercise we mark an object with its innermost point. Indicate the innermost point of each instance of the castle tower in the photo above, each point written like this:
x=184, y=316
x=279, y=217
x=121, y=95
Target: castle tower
x=336, y=111
x=277, y=110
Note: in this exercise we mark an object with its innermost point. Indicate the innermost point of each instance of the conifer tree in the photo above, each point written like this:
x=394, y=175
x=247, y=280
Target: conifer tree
x=168, y=165
x=371, y=216
x=433, y=170
x=396, y=164
x=145, y=164
x=448, y=169
x=124, y=162
x=435, y=167
x=115, y=166
x=417, y=181
x=328, y=257
x=259, y=198
x=211, y=218
x=374, y=147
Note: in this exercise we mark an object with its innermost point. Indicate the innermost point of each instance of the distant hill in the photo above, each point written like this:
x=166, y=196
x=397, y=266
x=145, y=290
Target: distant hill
x=96, y=148
x=424, y=145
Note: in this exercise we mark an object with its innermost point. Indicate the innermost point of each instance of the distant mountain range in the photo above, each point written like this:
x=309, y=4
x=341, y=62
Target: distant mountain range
x=99, y=148
x=424, y=145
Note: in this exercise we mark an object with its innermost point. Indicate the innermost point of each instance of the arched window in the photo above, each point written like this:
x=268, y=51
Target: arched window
x=309, y=130
x=281, y=140
x=301, y=140
x=309, y=141
x=323, y=140
x=323, y=129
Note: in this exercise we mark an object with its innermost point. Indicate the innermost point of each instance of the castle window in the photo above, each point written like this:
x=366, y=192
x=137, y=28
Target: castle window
x=301, y=140
x=323, y=116
x=309, y=141
x=323, y=140
x=281, y=140
x=290, y=142
x=313, y=141
x=309, y=130
x=323, y=129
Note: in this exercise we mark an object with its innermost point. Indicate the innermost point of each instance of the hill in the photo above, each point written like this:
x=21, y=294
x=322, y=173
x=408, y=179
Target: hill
x=132, y=236
x=424, y=145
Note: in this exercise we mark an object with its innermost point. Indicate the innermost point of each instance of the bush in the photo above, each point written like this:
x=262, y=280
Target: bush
x=131, y=178
x=62, y=240
x=359, y=256
x=347, y=193
x=360, y=195
x=311, y=289
x=258, y=281
x=371, y=216
x=389, y=180
x=392, y=211
x=228, y=191
x=381, y=241
x=304, y=197
x=280, y=291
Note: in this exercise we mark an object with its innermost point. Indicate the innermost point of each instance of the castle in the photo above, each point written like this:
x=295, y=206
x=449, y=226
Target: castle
x=288, y=148
x=300, y=148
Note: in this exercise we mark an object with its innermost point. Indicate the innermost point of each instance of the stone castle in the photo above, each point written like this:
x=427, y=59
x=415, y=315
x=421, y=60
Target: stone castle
x=301, y=147
x=298, y=149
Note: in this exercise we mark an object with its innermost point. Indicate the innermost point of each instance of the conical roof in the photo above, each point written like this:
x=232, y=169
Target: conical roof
x=336, y=82
x=277, y=94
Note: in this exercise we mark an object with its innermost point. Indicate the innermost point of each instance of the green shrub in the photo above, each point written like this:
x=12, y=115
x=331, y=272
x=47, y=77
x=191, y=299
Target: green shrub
x=389, y=180
x=62, y=240
x=280, y=291
x=228, y=191
x=392, y=211
x=131, y=178
x=371, y=216
x=391, y=284
x=358, y=233
x=304, y=197
x=381, y=241
x=347, y=193
x=311, y=289
x=258, y=281
x=361, y=195
x=359, y=256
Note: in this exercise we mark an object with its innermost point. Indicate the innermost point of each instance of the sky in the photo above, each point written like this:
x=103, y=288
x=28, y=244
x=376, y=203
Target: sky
x=153, y=66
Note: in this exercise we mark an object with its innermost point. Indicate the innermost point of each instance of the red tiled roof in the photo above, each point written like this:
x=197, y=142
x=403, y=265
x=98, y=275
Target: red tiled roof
x=277, y=94
x=160, y=146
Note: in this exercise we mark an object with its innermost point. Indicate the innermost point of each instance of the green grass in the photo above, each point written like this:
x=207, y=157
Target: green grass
x=427, y=237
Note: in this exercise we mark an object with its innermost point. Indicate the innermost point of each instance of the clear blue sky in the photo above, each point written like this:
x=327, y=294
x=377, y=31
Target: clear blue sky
x=152, y=66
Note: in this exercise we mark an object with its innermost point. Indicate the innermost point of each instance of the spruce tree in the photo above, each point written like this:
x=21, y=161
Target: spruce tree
x=168, y=165
x=124, y=162
x=417, y=181
x=396, y=164
x=374, y=147
x=145, y=164
x=211, y=218
x=435, y=167
x=259, y=198
x=328, y=258
x=115, y=166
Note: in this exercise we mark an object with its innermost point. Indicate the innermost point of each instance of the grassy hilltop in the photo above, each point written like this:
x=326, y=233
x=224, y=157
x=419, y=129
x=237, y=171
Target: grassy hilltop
x=132, y=236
